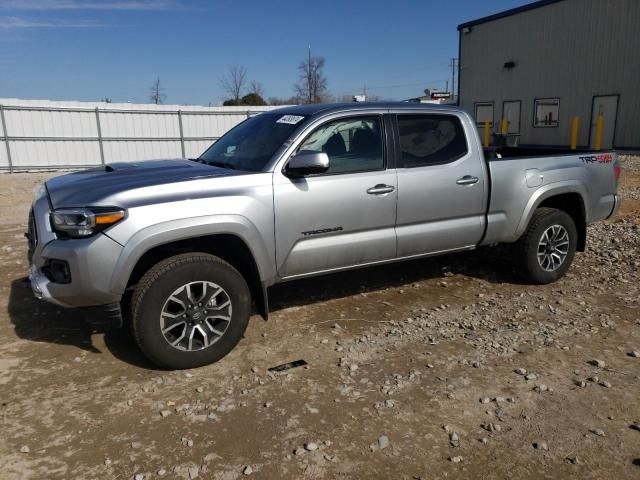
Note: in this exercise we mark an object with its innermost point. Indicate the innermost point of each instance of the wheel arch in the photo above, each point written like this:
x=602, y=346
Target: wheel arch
x=570, y=198
x=238, y=244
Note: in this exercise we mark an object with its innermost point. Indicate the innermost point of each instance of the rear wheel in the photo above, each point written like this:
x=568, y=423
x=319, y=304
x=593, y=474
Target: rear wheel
x=190, y=310
x=545, y=251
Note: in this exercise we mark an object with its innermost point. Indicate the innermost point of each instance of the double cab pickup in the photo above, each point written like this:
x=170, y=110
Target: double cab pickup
x=184, y=248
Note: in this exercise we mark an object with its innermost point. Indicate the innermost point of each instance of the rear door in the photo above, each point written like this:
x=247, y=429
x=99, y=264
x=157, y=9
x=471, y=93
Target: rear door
x=442, y=186
x=346, y=216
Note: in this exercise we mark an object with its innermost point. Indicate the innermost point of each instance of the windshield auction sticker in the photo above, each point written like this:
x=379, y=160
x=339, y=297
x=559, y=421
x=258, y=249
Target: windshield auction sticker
x=290, y=119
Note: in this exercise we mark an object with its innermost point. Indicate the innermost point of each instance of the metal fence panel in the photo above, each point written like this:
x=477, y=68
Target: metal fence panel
x=43, y=123
x=42, y=134
x=126, y=151
x=193, y=148
x=145, y=125
x=210, y=125
x=43, y=154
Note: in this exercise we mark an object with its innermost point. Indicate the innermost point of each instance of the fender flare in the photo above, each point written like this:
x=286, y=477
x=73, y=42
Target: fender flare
x=548, y=191
x=183, y=229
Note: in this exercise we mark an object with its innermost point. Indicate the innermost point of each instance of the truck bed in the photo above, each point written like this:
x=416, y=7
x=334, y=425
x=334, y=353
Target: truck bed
x=518, y=187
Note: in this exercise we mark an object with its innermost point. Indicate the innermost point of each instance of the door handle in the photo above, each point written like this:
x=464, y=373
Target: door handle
x=380, y=189
x=467, y=180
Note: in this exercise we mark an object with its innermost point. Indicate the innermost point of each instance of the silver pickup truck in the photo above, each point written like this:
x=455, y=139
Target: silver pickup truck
x=182, y=248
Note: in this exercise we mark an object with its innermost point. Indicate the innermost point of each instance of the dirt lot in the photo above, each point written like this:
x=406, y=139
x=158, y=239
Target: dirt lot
x=411, y=375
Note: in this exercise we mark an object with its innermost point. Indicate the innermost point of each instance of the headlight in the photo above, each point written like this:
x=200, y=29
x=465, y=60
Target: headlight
x=84, y=222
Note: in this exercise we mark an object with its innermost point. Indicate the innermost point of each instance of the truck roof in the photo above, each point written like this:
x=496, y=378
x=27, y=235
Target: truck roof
x=313, y=109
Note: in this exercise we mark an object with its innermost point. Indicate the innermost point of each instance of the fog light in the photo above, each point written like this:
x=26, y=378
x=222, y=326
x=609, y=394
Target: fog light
x=57, y=271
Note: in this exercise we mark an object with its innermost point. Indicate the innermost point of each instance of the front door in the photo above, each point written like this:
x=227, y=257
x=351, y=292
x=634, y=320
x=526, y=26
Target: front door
x=442, y=187
x=343, y=217
x=607, y=106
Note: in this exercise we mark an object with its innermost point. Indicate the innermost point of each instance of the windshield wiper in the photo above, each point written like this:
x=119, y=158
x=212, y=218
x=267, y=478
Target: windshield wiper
x=217, y=163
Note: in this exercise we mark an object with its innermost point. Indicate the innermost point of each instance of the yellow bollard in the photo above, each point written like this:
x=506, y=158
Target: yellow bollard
x=597, y=144
x=575, y=125
x=486, y=133
x=504, y=126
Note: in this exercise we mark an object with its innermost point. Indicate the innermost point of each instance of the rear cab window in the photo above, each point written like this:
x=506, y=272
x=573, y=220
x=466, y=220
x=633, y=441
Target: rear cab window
x=430, y=139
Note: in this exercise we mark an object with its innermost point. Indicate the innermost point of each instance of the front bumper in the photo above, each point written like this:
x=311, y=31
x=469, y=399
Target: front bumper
x=91, y=263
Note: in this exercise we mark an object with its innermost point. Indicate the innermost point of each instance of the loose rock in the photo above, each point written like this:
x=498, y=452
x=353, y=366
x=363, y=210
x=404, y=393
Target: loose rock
x=383, y=442
x=311, y=446
x=541, y=446
x=597, y=363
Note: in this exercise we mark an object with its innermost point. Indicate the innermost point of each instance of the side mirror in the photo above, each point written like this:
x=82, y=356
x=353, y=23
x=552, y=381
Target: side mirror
x=307, y=162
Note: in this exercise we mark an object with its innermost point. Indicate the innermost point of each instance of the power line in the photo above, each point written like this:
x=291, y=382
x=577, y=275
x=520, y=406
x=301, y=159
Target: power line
x=400, y=85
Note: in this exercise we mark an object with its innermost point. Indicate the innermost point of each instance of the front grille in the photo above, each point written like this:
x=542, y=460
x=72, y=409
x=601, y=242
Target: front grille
x=32, y=235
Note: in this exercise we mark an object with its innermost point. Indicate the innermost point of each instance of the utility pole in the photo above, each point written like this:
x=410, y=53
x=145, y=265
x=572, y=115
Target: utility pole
x=309, y=77
x=453, y=78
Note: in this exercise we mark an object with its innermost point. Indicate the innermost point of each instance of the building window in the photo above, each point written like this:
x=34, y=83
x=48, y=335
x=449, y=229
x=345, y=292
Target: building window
x=545, y=112
x=484, y=112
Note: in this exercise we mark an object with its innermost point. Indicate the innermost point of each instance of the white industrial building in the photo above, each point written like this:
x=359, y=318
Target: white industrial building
x=541, y=65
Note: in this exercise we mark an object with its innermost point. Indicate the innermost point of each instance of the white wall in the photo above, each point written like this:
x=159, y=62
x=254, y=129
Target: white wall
x=42, y=134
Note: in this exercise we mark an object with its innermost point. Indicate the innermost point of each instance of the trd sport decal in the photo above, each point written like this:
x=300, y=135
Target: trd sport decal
x=321, y=231
x=603, y=158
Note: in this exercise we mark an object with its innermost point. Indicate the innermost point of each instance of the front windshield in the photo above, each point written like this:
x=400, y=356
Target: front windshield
x=251, y=144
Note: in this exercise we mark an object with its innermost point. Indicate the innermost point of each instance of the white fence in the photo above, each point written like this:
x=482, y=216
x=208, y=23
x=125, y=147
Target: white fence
x=40, y=134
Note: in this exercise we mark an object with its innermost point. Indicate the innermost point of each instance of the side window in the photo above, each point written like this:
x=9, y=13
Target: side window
x=430, y=139
x=353, y=144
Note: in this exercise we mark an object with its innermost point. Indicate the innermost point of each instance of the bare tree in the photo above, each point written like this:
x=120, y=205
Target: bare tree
x=157, y=92
x=256, y=88
x=312, y=87
x=234, y=81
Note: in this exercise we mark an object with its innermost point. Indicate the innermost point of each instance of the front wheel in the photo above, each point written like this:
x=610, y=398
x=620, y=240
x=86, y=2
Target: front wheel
x=546, y=249
x=190, y=310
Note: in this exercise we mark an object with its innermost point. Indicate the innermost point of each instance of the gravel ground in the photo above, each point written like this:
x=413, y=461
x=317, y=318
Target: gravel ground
x=429, y=369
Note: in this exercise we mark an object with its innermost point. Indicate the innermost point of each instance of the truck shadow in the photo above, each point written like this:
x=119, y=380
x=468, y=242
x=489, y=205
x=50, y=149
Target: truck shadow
x=489, y=264
x=39, y=321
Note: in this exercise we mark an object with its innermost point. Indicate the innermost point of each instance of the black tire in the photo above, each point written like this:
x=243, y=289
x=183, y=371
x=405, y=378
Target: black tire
x=152, y=295
x=528, y=266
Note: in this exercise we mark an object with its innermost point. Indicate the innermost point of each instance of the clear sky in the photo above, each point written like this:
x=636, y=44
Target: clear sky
x=88, y=50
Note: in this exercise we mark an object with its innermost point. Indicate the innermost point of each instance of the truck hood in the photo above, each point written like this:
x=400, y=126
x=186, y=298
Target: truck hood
x=108, y=183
